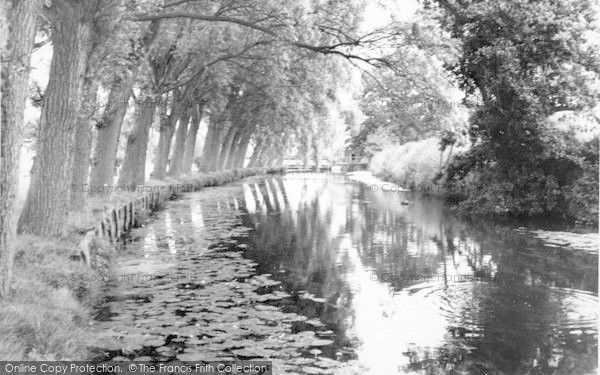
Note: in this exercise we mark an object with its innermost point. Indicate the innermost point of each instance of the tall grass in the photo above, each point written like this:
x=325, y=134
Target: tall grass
x=46, y=316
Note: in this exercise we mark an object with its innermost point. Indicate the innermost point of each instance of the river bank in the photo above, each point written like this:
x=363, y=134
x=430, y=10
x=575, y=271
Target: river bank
x=48, y=315
x=551, y=231
x=565, y=191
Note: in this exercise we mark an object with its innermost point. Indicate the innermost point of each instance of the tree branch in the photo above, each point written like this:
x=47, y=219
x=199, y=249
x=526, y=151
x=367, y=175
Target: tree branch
x=323, y=49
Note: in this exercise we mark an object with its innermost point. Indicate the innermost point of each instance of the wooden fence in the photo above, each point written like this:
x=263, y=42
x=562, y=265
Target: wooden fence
x=119, y=220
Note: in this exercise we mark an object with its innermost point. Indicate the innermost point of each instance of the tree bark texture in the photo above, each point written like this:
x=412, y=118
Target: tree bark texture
x=133, y=171
x=211, y=147
x=190, y=141
x=226, y=147
x=104, y=164
x=46, y=207
x=166, y=130
x=17, y=31
x=176, y=161
x=83, y=145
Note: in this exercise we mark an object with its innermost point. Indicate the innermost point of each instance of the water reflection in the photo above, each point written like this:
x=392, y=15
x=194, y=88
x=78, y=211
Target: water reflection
x=414, y=289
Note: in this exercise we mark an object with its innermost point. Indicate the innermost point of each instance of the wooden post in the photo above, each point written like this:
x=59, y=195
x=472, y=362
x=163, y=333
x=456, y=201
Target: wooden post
x=130, y=214
x=123, y=209
x=115, y=224
x=118, y=221
x=108, y=228
x=102, y=229
x=136, y=212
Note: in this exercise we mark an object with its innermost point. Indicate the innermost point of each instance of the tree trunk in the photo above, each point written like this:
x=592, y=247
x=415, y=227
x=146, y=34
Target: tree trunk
x=255, y=158
x=133, y=171
x=211, y=147
x=190, y=142
x=243, y=149
x=161, y=157
x=233, y=152
x=83, y=145
x=104, y=165
x=316, y=153
x=17, y=31
x=176, y=162
x=226, y=148
x=46, y=207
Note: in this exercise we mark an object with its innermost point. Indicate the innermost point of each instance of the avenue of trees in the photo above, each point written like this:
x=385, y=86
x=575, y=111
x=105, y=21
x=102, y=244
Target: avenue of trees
x=260, y=74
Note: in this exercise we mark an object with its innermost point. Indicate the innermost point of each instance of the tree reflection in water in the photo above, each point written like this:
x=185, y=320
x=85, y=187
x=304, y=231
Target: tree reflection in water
x=416, y=289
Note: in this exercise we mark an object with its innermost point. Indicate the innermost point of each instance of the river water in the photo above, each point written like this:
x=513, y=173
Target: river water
x=324, y=276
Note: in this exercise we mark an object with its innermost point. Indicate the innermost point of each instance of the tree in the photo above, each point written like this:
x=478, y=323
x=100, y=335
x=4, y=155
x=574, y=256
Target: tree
x=109, y=127
x=134, y=47
x=199, y=60
x=47, y=203
x=133, y=171
x=176, y=161
x=17, y=30
x=413, y=100
x=190, y=139
x=526, y=60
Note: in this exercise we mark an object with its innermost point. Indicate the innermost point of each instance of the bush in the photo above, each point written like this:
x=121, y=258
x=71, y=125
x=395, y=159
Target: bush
x=582, y=195
x=413, y=165
x=561, y=181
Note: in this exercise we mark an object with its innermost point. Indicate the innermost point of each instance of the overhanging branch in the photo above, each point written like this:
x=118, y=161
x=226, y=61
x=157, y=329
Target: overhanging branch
x=323, y=49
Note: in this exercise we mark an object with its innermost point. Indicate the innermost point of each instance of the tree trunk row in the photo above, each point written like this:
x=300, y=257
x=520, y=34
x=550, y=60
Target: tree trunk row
x=104, y=164
x=133, y=171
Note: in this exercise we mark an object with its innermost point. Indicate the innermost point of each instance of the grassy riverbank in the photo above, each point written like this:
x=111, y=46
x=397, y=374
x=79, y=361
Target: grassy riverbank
x=47, y=315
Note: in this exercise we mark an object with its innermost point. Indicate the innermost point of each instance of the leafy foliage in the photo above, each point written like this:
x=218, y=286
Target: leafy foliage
x=525, y=60
x=416, y=98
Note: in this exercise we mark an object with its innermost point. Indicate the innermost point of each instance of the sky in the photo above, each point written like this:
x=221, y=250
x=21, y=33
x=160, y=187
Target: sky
x=379, y=12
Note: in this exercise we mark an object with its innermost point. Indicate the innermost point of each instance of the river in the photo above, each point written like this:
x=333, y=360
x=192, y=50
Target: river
x=322, y=275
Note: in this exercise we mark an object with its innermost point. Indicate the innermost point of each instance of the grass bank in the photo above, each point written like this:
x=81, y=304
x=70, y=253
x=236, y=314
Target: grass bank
x=50, y=308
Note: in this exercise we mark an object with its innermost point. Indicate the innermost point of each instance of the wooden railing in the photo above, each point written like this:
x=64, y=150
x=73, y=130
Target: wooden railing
x=119, y=220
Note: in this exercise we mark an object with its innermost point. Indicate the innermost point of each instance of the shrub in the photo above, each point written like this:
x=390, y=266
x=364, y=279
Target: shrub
x=413, y=165
x=561, y=181
x=582, y=195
